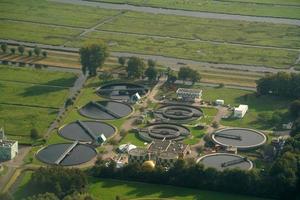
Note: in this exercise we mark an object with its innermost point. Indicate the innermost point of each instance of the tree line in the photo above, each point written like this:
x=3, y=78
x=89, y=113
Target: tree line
x=281, y=84
x=21, y=49
x=93, y=56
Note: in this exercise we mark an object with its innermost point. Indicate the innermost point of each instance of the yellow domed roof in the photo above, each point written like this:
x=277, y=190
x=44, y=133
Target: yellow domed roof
x=148, y=165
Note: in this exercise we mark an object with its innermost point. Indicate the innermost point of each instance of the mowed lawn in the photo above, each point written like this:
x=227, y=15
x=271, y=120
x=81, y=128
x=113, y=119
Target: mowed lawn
x=30, y=99
x=106, y=189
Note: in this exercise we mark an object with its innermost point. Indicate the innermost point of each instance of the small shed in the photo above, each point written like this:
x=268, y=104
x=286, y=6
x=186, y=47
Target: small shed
x=219, y=102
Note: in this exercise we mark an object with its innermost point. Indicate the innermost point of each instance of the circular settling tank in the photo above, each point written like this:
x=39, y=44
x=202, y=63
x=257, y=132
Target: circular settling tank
x=105, y=110
x=178, y=113
x=86, y=131
x=241, y=138
x=66, y=154
x=164, y=131
x=121, y=91
x=222, y=161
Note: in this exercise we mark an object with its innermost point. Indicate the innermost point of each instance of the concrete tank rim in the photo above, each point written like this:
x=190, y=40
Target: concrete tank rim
x=240, y=147
x=228, y=154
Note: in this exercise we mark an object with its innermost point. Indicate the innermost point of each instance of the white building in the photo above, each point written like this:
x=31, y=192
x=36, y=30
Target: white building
x=240, y=111
x=219, y=102
x=8, y=149
x=189, y=94
x=135, y=98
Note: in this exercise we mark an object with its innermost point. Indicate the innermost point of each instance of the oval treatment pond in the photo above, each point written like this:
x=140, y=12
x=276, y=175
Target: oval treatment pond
x=222, y=161
x=241, y=138
x=178, y=113
x=121, y=91
x=86, y=131
x=105, y=110
x=164, y=131
x=66, y=154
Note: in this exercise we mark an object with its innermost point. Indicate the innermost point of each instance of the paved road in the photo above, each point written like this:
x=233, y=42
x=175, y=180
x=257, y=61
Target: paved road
x=182, y=12
x=174, y=63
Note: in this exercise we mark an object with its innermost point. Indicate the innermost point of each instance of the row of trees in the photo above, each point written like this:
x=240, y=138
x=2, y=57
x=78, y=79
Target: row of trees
x=93, y=56
x=280, y=84
x=59, y=181
x=21, y=49
x=278, y=182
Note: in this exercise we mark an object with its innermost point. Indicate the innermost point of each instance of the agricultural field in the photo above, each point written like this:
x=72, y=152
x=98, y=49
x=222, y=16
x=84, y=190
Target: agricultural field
x=108, y=189
x=32, y=98
x=205, y=40
x=270, y=8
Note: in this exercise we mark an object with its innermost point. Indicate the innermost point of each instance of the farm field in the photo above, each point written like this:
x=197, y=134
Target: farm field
x=108, y=189
x=194, y=50
x=207, y=40
x=32, y=98
x=244, y=7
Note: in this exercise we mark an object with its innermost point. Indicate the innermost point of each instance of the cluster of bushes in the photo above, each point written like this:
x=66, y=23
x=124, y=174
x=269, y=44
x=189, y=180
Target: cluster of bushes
x=21, y=49
x=280, y=84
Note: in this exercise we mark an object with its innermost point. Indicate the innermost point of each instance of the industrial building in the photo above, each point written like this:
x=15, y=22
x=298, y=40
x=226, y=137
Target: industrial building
x=240, y=111
x=185, y=94
x=8, y=148
x=163, y=153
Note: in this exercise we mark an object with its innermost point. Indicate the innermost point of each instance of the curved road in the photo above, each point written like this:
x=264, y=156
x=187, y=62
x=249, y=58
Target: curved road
x=182, y=12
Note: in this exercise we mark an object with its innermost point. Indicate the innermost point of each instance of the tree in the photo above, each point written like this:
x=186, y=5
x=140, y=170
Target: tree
x=294, y=109
x=151, y=73
x=30, y=52
x=21, y=49
x=122, y=61
x=44, y=53
x=37, y=50
x=12, y=50
x=151, y=63
x=4, y=47
x=186, y=73
x=58, y=180
x=194, y=76
x=92, y=56
x=135, y=67
x=34, y=134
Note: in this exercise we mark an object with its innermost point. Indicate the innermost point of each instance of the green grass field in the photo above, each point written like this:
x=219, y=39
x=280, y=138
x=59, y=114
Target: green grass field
x=195, y=50
x=106, y=189
x=243, y=7
x=32, y=98
x=241, y=32
x=140, y=33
